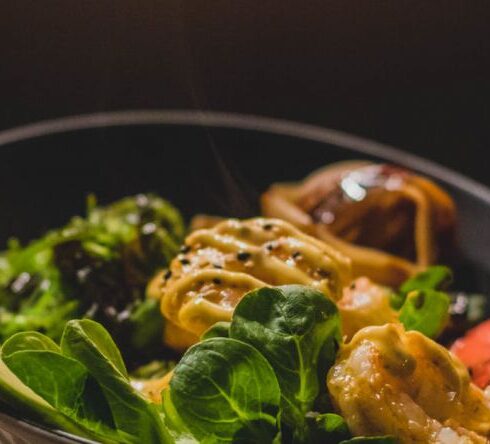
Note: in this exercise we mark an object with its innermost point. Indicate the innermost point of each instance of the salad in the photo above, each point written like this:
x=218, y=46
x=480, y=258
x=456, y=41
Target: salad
x=332, y=317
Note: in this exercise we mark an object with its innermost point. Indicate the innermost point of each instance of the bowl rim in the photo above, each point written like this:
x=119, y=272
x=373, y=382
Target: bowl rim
x=271, y=125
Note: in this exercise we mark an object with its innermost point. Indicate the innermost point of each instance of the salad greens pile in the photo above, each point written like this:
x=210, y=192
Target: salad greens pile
x=95, y=267
x=81, y=386
x=259, y=378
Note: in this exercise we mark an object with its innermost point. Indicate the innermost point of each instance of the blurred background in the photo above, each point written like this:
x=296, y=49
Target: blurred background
x=412, y=74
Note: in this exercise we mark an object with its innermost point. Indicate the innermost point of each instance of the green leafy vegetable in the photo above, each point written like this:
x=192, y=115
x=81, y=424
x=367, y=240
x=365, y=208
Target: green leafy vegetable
x=57, y=379
x=30, y=340
x=421, y=307
x=327, y=427
x=297, y=329
x=426, y=311
x=95, y=267
x=437, y=277
x=63, y=383
x=90, y=344
x=25, y=401
x=224, y=390
x=219, y=330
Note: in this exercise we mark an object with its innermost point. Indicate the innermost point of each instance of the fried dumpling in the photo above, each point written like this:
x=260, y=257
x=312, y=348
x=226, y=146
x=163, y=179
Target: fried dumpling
x=217, y=266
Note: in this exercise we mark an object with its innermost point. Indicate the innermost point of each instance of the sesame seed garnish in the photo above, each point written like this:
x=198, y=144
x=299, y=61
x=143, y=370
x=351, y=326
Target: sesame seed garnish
x=243, y=256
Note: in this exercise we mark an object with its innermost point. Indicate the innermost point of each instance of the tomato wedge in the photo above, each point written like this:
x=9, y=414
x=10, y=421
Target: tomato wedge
x=474, y=350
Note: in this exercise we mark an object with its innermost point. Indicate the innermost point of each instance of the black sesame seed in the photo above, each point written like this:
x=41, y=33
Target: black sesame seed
x=167, y=275
x=243, y=256
x=216, y=281
x=323, y=273
x=218, y=266
x=353, y=286
x=296, y=255
x=267, y=227
x=185, y=249
x=184, y=261
x=271, y=245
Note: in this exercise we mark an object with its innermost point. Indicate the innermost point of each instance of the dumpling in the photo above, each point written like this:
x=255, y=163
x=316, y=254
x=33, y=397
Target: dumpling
x=217, y=266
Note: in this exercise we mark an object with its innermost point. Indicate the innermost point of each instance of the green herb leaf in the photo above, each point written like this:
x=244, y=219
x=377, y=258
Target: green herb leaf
x=425, y=311
x=437, y=277
x=298, y=330
x=225, y=390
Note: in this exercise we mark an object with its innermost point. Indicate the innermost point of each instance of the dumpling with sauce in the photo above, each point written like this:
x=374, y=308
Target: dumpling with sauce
x=218, y=266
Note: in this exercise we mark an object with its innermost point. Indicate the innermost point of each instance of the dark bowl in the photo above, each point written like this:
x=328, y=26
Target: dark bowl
x=203, y=162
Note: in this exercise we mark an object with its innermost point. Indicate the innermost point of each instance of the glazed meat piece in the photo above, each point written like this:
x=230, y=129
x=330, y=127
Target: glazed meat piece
x=217, y=266
x=390, y=382
x=390, y=222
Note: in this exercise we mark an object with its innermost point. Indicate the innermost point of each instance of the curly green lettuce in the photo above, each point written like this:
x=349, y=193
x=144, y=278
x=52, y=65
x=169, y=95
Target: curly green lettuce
x=95, y=267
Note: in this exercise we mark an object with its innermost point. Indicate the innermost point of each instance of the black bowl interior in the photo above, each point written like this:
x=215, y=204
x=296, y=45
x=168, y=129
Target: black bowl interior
x=202, y=169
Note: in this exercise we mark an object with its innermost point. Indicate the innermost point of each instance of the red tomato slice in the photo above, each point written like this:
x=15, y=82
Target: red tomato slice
x=474, y=350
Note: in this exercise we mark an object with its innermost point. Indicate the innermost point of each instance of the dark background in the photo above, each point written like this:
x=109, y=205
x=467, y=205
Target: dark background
x=413, y=74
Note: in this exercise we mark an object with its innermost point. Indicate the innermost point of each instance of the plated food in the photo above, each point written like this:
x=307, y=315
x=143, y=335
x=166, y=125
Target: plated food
x=323, y=319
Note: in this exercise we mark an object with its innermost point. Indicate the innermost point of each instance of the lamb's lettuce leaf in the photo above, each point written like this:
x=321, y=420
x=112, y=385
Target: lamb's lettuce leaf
x=82, y=383
x=224, y=390
x=89, y=343
x=29, y=340
x=297, y=329
x=45, y=384
x=219, y=330
x=24, y=401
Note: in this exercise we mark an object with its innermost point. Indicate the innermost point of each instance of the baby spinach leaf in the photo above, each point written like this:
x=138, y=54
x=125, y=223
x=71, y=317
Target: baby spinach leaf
x=294, y=327
x=89, y=343
x=177, y=427
x=224, y=390
x=61, y=381
x=80, y=333
x=57, y=379
x=30, y=340
x=219, y=330
x=25, y=401
x=425, y=311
